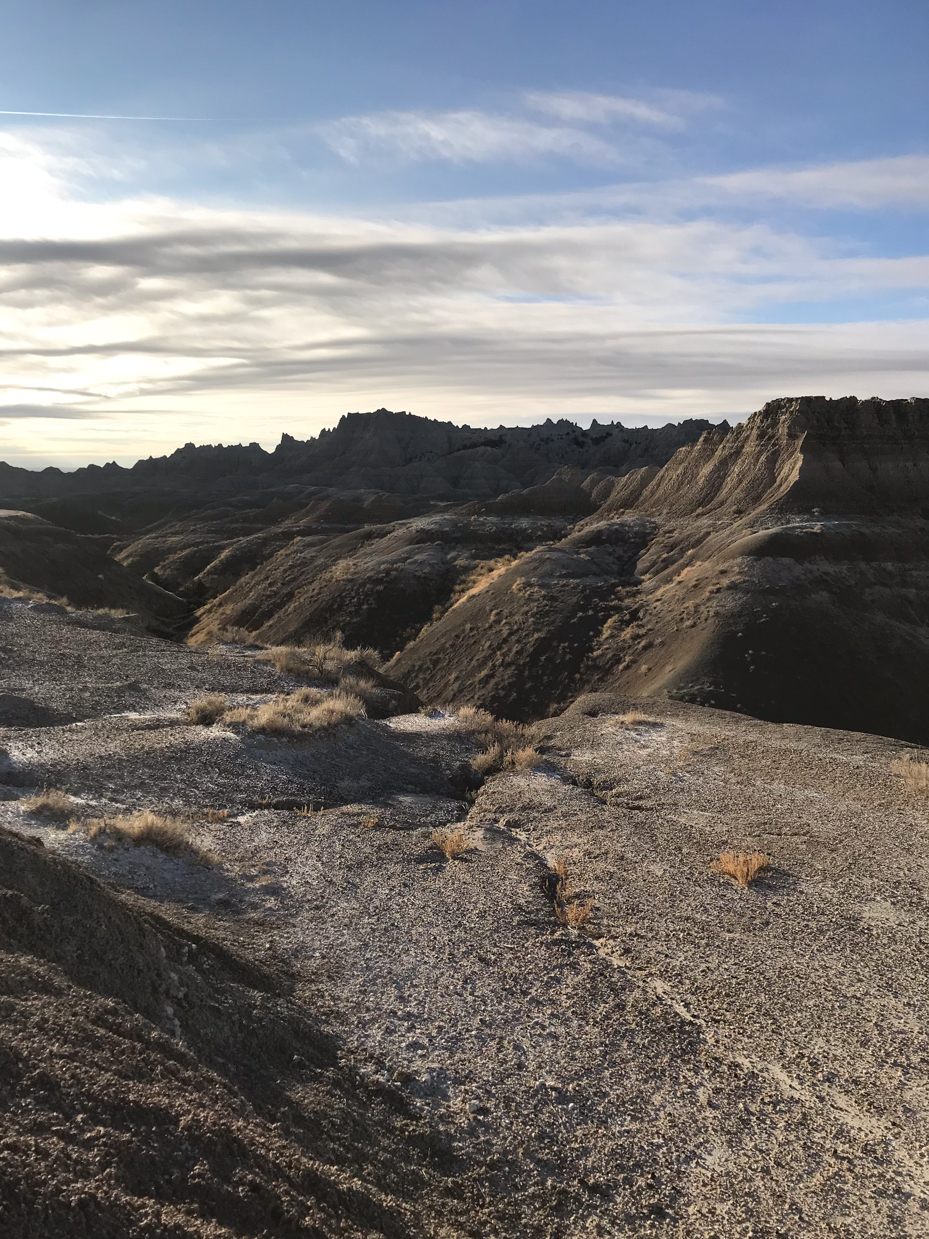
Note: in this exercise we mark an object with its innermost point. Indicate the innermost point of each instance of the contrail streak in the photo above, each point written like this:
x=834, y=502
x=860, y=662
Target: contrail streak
x=93, y=116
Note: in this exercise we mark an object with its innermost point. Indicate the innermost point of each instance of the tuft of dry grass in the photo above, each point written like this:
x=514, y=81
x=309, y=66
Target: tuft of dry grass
x=299, y=713
x=559, y=867
x=914, y=772
x=632, y=719
x=209, y=815
x=370, y=822
x=574, y=914
x=453, y=843
x=207, y=710
x=742, y=868
x=289, y=660
x=506, y=745
x=144, y=828
x=307, y=810
x=49, y=802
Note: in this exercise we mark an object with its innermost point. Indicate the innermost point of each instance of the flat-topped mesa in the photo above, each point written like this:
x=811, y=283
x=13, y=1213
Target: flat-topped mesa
x=866, y=457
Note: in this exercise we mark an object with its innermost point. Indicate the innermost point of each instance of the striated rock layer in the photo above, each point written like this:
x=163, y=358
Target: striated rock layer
x=783, y=572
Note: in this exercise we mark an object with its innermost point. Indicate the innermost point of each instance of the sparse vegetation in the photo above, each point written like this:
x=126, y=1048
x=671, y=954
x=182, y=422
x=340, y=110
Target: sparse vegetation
x=914, y=773
x=506, y=745
x=452, y=843
x=207, y=710
x=632, y=719
x=144, y=828
x=49, y=802
x=574, y=914
x=307, y=710
x=370, y=822
x=569, y=910
x=742, y=868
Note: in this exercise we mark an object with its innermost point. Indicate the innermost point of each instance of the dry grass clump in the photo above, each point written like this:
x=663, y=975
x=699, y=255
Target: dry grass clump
x=370, y=822
x=569, y=910
x=207, y=710
x=632, y=719
x=209, y=815
x=506, y=745
x=742, y=868
x=307, y=710
x=145, y=828
x=574, y=914
x=914, y=772
x=452, y=843
x=49, y=802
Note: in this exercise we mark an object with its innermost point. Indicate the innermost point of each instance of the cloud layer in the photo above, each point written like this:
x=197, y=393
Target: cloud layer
x=139, y=322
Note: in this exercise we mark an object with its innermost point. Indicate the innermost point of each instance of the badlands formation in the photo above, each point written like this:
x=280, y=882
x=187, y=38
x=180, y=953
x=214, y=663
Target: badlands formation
x=297, y=940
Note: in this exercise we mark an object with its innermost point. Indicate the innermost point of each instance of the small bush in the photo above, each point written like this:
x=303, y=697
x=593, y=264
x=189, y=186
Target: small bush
x=913, y=772
x=632, y=719
x=49, y=802
x=575, y=914
x=207, y=710
x=289, y=661
x=167, y=834
x=452, y=843
x=559, y=867
x=507, y=745
x=742, y=868
x=370, y=822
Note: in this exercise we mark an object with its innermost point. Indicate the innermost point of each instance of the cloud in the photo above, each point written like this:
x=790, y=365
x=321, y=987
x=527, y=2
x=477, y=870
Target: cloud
x=583, y=107
x=867, y=184
x=60, y=411
x=187, y=319
x=461, y=137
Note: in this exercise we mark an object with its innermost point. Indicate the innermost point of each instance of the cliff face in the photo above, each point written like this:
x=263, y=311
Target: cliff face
x=866, y=457
x=782, y=570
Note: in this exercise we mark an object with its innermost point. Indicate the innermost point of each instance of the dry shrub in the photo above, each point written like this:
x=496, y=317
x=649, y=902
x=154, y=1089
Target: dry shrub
x=167, y=834
x=742, y=868
x=569, y=910
x=306, y=710
x=524, y=759
x=209, y=815
x=507, y=745
x=914, y=773
x=452, y=843
x=289, y=660
x=491, y=761
x=332, y=659
x=207, y=710
x=370, y=822
x=632, y=719
x=559, y=867
x=49, y=802
x=574, y=914
x=307, y=810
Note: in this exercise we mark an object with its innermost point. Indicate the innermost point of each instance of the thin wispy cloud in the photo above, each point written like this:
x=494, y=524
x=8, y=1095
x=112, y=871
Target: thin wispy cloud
x=461, y=137
x=113, y=313
x=583, y=107
x=96, y=116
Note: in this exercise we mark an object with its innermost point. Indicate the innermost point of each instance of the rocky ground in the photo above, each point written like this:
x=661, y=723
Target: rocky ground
x=326, y=1027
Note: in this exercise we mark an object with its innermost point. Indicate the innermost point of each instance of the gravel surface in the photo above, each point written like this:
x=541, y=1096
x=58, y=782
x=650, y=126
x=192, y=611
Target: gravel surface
x=696, y=1060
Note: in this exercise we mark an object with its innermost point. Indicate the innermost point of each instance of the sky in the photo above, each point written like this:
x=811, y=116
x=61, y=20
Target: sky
x=221, y=220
